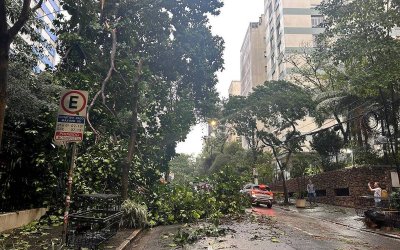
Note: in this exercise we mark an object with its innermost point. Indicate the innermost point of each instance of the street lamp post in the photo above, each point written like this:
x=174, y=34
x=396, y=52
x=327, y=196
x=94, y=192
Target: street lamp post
x=255, y=176
x=349, y=151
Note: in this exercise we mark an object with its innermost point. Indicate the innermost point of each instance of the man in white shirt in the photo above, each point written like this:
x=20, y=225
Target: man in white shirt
x=377, y=193
x=311, y=192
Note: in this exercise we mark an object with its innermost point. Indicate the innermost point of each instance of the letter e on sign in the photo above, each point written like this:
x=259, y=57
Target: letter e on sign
x=73, y=102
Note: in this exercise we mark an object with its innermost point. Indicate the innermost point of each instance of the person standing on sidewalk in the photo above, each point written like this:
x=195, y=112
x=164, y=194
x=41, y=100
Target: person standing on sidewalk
x=311, y=193
x=377, y=193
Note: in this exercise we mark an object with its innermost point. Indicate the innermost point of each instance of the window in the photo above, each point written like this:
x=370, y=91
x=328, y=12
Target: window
x=342, y=192
x=316, y=21
x=262, y=188
x=320, y=193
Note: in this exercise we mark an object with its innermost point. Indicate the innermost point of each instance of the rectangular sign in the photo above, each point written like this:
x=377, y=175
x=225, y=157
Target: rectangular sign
x=71, y=116
x=71, y=119
x=68, y=136
x=395, y=179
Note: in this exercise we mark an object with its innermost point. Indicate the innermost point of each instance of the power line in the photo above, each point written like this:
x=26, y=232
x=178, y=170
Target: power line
x=332, y=118
x=312, y=132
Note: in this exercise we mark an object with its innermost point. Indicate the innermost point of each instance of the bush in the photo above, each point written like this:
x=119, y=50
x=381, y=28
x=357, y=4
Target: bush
x=395, y=200
x=332, y=166
x=134, y=214
x=226, y=186
x=176, y=203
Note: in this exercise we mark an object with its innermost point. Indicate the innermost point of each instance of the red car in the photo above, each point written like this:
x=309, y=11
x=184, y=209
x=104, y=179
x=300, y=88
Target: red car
x=259, y=194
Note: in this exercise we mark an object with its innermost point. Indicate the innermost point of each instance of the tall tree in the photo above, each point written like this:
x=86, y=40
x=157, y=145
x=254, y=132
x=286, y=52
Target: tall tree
x=280, y=105
x=159, y=76
x=327, y=144
x=359, y=36
x=239, y=114
x=18, y=16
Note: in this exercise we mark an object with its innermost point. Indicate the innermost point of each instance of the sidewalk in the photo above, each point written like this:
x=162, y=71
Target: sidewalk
x=340, y=215
x=122, y=239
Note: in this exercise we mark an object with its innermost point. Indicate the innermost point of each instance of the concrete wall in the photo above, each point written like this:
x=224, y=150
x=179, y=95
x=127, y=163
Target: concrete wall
x=18, y=219
x=355, y=179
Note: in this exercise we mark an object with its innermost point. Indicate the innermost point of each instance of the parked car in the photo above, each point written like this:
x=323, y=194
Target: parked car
x=259, y=194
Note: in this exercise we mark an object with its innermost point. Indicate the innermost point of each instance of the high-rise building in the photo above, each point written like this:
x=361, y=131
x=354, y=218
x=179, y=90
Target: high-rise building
x=290, y=27
x=235, y=88
x=286, y=27
x=47, y=13
x=252, y=57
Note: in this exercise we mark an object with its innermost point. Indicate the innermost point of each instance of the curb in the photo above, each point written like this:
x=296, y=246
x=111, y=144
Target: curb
x=354, y=228
x=129, y=239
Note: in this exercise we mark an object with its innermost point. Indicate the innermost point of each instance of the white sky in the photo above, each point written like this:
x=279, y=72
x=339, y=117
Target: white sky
x=232, y=25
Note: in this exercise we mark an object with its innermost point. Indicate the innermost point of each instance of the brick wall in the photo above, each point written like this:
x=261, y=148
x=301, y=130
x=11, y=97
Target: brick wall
x=355, y=179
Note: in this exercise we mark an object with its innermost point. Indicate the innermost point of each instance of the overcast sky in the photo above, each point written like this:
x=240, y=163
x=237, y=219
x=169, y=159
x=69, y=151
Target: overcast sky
x=232, y=25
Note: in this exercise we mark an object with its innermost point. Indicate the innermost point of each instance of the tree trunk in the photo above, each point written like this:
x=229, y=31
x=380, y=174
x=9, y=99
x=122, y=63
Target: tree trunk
x=395, y=110
x=6, y=37
x=384, y=145
x=342, y=130
x=4, y=63
x=132, y=140
x=168, y=154
x=388, y=131
x=281, y=168
x=254, y=154
x=285, y=191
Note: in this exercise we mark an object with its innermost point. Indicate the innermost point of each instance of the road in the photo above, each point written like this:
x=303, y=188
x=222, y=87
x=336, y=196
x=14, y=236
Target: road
x=276, y=228
x=305, y=232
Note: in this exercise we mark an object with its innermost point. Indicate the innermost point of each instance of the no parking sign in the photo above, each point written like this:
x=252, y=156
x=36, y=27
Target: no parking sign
x=71, y=116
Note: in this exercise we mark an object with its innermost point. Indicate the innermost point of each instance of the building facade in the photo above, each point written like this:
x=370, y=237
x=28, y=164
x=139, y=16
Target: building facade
x=252, y=57
x=234, y=90
x=47, y=13
x=290, y=26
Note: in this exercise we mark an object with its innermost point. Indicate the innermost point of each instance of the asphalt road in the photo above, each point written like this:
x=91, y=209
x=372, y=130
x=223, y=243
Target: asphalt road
x=306, y=232
x=275, y=228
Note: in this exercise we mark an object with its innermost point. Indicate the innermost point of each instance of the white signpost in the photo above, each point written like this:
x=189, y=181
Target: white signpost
x=71, y=116
x=69, y=129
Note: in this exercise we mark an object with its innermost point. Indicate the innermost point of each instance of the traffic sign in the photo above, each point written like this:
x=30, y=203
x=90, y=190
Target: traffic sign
x=73, y=102
x=71, y=116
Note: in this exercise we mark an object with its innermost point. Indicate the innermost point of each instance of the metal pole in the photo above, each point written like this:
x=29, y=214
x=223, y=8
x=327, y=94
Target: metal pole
x=69, y=192
x=255, y=176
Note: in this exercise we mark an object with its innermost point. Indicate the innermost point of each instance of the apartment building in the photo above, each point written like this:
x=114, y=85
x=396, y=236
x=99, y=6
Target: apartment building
x=234, y=90
x=47, y=13
x=290, y=26
x=252, y=57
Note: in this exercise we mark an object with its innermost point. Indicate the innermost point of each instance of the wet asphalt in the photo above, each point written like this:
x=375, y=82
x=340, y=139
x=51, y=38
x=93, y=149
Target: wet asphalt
x=322, y=227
